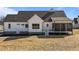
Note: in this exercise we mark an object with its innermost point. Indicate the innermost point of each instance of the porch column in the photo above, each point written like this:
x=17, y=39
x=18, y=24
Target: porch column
x=72, y=29
x=65, y=27
x=60, y=27
x=54, y=26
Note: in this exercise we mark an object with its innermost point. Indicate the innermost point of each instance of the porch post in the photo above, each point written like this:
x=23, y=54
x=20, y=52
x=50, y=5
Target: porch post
x=72, y=29
x=60, y=27
x=54, y=26
x=66, y=27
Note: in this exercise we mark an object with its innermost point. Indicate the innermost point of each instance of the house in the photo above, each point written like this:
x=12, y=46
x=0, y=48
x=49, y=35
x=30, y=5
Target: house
x=37, y=22
x=76, y=23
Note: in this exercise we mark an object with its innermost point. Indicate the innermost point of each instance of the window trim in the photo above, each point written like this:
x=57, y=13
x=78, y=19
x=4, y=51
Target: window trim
x=35, y=26
x=22, y=24
x=47, y=25
x=18, y=24
x=26, y=25
x=9, y=26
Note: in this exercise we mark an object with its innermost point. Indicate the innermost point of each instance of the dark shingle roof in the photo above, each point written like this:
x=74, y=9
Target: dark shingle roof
x=10, y=18
x=23, y=16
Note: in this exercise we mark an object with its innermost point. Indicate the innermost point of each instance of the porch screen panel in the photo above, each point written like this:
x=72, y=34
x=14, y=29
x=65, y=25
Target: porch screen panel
x=63, y=27
x=69, y=27
x=57, y=27
x=53, y=26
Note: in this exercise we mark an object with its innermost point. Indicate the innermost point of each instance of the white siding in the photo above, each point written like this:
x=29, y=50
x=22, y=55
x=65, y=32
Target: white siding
x=15, y=27
x=35, y=20
x=49, y=26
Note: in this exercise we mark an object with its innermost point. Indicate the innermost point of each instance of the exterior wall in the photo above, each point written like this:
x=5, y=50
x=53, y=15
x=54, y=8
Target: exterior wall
x=15, y=27
x=45, y=26
x=35, y=20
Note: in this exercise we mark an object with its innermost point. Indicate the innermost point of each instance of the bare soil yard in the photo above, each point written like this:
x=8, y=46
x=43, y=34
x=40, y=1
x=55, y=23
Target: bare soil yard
x=41, y=43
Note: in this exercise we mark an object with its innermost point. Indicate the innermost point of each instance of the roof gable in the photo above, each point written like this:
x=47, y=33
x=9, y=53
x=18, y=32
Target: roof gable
x=35, y=18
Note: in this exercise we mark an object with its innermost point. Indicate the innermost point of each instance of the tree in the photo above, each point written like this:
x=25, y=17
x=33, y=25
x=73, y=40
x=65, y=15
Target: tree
x=2, y=18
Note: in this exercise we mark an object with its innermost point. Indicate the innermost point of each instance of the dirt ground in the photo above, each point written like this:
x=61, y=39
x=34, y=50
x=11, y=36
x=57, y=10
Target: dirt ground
x=41, y=43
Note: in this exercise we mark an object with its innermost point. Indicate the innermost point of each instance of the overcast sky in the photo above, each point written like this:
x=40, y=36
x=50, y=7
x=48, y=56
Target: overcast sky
x=71, y=12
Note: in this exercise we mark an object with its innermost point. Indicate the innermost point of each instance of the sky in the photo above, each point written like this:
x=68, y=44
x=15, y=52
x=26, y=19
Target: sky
x=71, y=12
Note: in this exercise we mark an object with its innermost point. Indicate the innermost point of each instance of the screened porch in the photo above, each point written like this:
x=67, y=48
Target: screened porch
x=62, y=27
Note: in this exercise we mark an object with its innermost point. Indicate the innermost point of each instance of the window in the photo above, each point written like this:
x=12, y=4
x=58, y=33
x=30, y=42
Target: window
x=26, y=25
x=9, y=26
x=22, y=24
x=35, y=26
x=18, y=24
x=47, y=25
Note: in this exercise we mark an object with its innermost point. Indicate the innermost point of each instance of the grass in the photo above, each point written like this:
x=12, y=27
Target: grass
x=37, y=43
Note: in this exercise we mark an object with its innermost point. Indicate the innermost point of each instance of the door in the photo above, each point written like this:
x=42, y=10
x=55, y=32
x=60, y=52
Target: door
x=47, y=27
x=18, y=28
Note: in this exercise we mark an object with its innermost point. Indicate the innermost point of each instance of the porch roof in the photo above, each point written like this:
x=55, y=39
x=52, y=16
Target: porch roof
x=61, y=20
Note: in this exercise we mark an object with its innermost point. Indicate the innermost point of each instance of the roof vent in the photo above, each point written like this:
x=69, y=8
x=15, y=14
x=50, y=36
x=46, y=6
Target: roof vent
x=51, y=10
